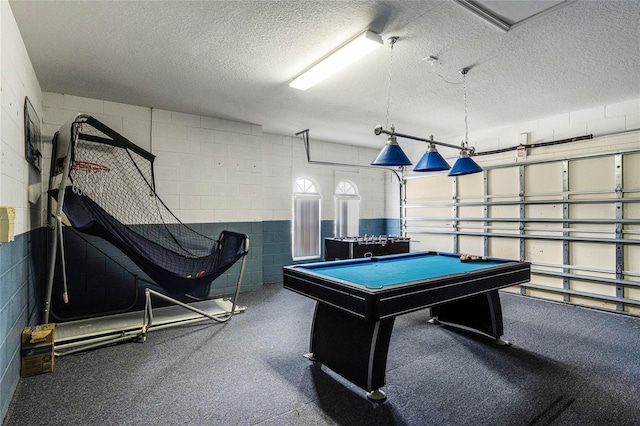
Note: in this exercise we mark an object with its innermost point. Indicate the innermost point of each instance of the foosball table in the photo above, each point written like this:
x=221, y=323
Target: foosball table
x=364, y=246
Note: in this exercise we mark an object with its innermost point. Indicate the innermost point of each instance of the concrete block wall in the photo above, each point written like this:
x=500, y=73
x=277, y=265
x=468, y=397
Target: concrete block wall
x=221, y=174
x=186, y=179
x=207, y=169
x=597, y=121
x=20, y=260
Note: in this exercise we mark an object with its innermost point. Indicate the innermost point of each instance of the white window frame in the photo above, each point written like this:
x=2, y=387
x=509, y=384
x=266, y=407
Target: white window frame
x=347, y=204
x=306, y=243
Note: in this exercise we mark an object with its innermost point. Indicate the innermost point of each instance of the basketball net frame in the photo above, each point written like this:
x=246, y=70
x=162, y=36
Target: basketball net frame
x=93, y=175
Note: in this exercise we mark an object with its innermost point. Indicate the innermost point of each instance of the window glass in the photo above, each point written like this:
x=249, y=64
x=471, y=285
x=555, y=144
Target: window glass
x=306, y=220
x=347, y=210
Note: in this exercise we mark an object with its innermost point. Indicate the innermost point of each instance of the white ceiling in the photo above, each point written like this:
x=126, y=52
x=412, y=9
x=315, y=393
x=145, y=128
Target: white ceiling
x=235, y=59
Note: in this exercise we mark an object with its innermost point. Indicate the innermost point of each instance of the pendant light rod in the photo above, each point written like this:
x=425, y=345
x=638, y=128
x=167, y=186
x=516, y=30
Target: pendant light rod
x=379, y=130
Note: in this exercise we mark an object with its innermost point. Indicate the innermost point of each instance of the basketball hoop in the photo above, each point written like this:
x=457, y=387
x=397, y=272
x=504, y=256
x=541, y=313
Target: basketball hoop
x=87, y=177
x=88, y=166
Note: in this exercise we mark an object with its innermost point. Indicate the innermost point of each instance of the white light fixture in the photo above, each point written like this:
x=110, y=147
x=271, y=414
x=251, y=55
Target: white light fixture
x=340, y=58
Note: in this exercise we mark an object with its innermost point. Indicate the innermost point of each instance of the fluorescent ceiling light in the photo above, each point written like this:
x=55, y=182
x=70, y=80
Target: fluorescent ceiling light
x=345, y=55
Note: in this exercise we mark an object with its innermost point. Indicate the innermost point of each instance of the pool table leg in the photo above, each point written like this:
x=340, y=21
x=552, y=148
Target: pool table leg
x=481, y=313
x=352, y=347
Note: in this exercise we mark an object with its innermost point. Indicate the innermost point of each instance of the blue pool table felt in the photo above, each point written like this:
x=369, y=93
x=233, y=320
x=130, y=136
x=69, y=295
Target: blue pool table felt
x=398, y=269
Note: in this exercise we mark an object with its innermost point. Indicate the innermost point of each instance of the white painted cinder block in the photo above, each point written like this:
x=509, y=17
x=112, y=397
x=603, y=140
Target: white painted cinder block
x=193, y=147
x=201, y=135
x=190, y=174
x=227, y=216
x=48, y=130
x=14, y=196
x=161, y=144
x=195, y=189
x=586, y=115
x=209, y=202
x=85, y=105
x=114, y=122
x=226, y=189
x=167, y=158
x=205, y=166
x=281, y=154
x=605, y=126
x=168, y=130
x=57, y=116
x=631, y=107
x=18, y=81
x=236, y=127
x=12, y=105
x=136, y=126
x=131, y=112
x=242, y=152
x=54, y=100
x=196, y=216
x=214, y=150
x=268, y=214
x=571, y=131
x=257, y=205
x=171, y=201
x=212, y=123
x=239, y=204
x=559, y=120
x=632, y=121
x=226, y=125
x=170, y=173
x=12, y=135
x=168, y=187
x=215, y=174
x=256, y=130
x=541, y=135
x=188, y=120
x=270, y=139
x=225, y=138
x=160, y=116
x=189, y=202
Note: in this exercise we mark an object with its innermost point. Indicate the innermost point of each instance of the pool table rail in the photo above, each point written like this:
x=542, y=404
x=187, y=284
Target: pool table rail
x=352, y=323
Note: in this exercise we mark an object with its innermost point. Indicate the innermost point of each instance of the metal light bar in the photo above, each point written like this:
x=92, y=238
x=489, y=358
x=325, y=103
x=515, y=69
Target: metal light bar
x=379, y=130
x=463, y=166
x=340, y=58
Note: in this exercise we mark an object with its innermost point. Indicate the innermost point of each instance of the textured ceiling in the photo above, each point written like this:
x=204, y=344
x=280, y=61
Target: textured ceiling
x=234, y=60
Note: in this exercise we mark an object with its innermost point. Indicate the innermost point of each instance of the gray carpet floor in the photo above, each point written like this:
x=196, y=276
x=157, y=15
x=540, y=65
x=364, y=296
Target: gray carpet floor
x=567, y=366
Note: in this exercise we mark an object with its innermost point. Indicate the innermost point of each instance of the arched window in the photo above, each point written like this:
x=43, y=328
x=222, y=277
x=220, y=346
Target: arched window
x=305, y=232
x=347, y=210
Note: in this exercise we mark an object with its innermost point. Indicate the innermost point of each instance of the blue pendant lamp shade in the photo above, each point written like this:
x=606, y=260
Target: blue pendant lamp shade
x=431, y=161
x=391, y=155
x=464, y=165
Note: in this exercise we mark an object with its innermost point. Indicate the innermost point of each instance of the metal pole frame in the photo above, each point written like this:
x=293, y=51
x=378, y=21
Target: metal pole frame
x=147, y=320
x=55, y=226
x=379, y=130
x=221, y=317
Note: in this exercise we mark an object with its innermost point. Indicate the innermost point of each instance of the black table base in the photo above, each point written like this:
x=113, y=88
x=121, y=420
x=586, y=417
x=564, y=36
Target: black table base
x=357, y=349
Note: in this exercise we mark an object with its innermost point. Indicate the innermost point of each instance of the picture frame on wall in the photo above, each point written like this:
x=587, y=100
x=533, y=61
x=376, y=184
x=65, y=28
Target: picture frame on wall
x=32, y=135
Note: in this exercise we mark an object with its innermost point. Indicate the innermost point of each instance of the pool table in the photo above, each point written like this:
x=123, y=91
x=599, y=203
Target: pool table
x=357, y=301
